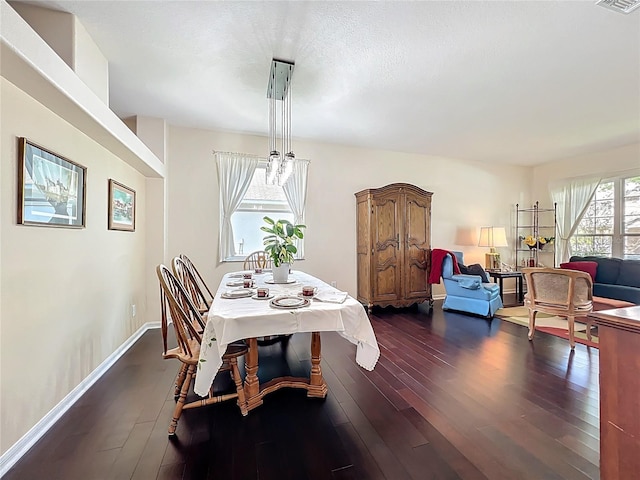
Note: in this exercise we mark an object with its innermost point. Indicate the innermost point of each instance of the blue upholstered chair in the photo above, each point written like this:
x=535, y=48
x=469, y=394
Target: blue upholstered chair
x=467, y=293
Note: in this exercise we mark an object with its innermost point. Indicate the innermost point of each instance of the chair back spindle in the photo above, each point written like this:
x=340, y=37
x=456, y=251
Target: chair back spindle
x=184, y=314
x=190, y=282
x=258, y=259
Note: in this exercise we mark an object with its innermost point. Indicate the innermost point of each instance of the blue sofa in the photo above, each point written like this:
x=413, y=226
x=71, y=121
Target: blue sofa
x=615, y=278
x=467, y=293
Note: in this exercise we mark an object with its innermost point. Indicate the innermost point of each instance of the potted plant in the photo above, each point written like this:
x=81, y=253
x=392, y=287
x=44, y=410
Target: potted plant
x=280, y=247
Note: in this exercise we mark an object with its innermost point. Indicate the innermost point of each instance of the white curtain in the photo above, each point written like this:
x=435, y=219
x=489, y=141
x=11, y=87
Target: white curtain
x=295, y=189
x=572, y=198
x=235, y=172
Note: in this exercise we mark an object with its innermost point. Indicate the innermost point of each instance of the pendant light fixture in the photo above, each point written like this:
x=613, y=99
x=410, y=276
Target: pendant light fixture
x=279, y=163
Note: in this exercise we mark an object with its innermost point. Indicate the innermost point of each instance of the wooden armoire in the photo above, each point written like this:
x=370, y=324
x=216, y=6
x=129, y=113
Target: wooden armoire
x=393, y=245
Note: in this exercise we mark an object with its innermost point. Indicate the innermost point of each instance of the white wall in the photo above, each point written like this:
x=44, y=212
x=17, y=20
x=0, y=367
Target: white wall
x=65, y=294
x=89, y=63
x=466, y=196
x=605, y=164
x=64, y=33
x=56, y=28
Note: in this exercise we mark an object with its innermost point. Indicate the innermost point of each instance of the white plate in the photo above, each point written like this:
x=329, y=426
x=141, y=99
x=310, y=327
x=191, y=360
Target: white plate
x=256, y=297
x=239, y=293
x=270, y=280
x=235, y=283
x=235, y=275
x=289, y=302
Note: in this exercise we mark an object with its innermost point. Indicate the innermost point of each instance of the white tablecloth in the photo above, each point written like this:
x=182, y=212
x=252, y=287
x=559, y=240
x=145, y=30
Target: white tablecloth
x=239, y=318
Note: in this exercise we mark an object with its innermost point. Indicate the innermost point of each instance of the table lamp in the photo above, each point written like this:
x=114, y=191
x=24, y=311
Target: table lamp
x=492, y=237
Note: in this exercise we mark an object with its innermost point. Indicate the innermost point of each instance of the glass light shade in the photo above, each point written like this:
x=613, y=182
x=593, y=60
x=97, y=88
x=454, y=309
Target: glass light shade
x=286, y=167
x=273, y=166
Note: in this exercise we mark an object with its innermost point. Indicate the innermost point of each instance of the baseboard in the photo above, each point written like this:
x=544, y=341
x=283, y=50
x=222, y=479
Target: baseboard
x=22, y=446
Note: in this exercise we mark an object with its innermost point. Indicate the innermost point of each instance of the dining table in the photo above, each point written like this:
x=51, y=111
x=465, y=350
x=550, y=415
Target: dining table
x=234, y=317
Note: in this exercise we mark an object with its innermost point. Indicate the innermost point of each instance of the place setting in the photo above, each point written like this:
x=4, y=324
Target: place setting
x=238, y=293
x=245, y=281
x=289, y=281
x=308, y=292
x=262, y=293
x=289, y=302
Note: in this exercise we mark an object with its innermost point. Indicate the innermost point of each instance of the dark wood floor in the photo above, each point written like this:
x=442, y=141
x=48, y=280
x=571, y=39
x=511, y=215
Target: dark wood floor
x=452, y=396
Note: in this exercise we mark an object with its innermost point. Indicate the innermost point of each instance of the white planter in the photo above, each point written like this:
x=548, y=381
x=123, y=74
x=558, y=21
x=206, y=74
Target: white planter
x=281, y=273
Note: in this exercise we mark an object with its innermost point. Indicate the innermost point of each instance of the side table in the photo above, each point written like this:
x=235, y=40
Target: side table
x=498, y=277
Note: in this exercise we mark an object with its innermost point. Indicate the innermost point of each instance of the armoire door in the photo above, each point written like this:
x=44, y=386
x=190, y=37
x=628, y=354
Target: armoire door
x=387, y=256
x=417, y=245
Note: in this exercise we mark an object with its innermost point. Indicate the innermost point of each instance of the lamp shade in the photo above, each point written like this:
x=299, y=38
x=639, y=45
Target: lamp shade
x=492, y=237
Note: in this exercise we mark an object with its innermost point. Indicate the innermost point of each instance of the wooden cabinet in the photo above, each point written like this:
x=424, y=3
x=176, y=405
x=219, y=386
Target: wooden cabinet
x=393, y=245
x=619, y=343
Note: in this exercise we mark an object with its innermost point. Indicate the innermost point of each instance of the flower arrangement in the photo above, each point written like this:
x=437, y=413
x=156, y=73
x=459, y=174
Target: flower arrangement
x=533, y=242
x=530, y=241
x=545, y=240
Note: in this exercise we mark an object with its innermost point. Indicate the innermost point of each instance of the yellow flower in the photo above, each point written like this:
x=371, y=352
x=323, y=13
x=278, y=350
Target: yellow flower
x=542, y=240
x=530, y=240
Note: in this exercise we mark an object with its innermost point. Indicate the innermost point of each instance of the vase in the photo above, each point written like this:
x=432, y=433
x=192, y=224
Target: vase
x=281, y=273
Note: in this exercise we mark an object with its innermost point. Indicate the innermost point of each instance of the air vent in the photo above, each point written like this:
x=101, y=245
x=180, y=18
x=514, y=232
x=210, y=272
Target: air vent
x=620, y=6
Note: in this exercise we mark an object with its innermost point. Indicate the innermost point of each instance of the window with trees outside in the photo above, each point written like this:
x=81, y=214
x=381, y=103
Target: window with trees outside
x=260, y=200
x=610, y=226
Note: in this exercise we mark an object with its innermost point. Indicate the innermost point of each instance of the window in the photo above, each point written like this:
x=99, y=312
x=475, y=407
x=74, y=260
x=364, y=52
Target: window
x=611, y=224
x=260, y=200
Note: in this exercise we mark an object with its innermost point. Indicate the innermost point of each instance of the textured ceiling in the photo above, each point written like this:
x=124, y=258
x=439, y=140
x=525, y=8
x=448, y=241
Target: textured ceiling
x=518, y=82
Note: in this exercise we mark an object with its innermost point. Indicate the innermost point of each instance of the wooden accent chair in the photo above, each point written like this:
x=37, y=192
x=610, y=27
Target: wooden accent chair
x=258, y=259
x=557, y=291
x=176, y=303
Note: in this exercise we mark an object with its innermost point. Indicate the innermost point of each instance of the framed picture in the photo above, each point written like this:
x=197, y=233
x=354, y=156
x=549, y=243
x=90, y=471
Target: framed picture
x=51, y=188
x=122, y=207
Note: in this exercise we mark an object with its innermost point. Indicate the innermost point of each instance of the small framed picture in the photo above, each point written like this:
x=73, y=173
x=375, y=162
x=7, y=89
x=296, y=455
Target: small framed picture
x=51, y=188
x=122, y=207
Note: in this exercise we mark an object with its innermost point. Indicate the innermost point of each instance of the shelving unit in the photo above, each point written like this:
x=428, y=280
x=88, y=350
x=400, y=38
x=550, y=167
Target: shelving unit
x=537, y=222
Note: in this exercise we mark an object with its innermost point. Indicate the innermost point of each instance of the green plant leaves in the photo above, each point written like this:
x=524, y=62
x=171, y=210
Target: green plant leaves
x=279, y=244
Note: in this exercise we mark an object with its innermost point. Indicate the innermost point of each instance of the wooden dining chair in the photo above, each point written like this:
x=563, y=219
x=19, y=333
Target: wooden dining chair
x=558, y=291
x=176, y=303
x=258, y=259
x=193, y=283
x=199, y=280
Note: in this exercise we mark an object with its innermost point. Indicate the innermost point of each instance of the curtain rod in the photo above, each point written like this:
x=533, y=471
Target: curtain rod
x=215, y=152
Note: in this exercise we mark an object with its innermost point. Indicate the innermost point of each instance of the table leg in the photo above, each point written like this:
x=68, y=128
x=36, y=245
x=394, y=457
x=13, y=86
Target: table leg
x=520, y=290
x=251, y=382
x=317, y=385
x=501, y=288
